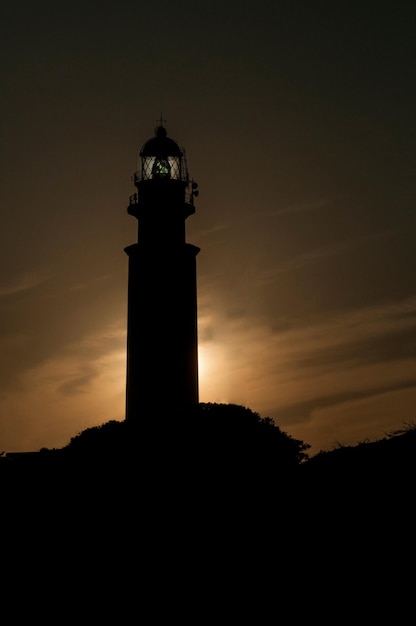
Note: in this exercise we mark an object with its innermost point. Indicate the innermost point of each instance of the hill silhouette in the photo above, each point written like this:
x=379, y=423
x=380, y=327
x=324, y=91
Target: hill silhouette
x=229, y=451
x=211, y=510
x=223, y=453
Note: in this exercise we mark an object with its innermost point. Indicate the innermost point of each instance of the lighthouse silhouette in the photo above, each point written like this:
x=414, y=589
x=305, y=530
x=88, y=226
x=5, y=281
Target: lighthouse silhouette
x=162, y=329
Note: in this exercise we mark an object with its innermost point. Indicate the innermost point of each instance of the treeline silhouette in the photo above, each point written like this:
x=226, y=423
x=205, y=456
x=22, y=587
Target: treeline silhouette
x=216, y=451
x=226, y=453
x=207, y=510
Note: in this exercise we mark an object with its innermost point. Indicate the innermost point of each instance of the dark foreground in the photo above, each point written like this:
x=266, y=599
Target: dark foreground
x=163, y=528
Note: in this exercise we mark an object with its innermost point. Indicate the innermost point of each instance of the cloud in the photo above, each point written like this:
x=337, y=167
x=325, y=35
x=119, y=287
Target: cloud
x=354, y=420
x=81, y=387
x=304, y=411
x=318, y=253
x=79, y=382
x=87, y=284
x=379, y=333
x=301, y=207
x=306, y=258
x=291, y=375
x=37, y=325
x=26, y=281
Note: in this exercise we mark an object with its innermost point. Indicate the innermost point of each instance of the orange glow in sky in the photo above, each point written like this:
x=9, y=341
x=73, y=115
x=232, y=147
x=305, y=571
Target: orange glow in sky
x=298, y=127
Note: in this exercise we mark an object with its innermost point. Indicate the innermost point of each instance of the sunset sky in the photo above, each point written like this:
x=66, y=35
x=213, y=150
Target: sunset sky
x=298, y=121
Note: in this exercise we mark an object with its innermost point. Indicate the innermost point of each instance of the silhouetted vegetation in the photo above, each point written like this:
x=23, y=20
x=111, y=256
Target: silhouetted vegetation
x=218, y=436
x=209, y=496
x=222, y=454
x=216, y=433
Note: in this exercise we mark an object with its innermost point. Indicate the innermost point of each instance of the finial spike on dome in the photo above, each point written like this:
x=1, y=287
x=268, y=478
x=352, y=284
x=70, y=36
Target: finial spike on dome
x=160, y=130
x=161, y=120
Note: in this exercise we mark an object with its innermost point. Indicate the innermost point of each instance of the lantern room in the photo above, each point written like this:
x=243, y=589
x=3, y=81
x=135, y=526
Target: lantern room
x=161, y=158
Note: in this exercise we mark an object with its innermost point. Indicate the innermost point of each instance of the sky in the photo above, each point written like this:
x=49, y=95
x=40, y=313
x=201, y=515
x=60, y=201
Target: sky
x=298, y=122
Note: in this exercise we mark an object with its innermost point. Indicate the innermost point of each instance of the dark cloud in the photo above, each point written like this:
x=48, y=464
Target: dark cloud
x=80, y=382
x=303, y=411
x=51, y=321
x=393, y=345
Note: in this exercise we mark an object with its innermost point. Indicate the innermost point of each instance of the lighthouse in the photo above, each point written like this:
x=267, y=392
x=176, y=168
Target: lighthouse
x=162, y=329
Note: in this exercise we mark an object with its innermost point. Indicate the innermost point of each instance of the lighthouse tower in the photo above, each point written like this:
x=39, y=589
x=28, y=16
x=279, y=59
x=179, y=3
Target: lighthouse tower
x=162, y=338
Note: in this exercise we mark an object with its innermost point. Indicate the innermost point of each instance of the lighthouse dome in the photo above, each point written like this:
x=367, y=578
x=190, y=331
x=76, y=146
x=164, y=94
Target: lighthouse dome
x=161, y=146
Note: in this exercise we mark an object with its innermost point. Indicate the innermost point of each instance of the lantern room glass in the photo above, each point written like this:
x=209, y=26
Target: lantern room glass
x=161, y=167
